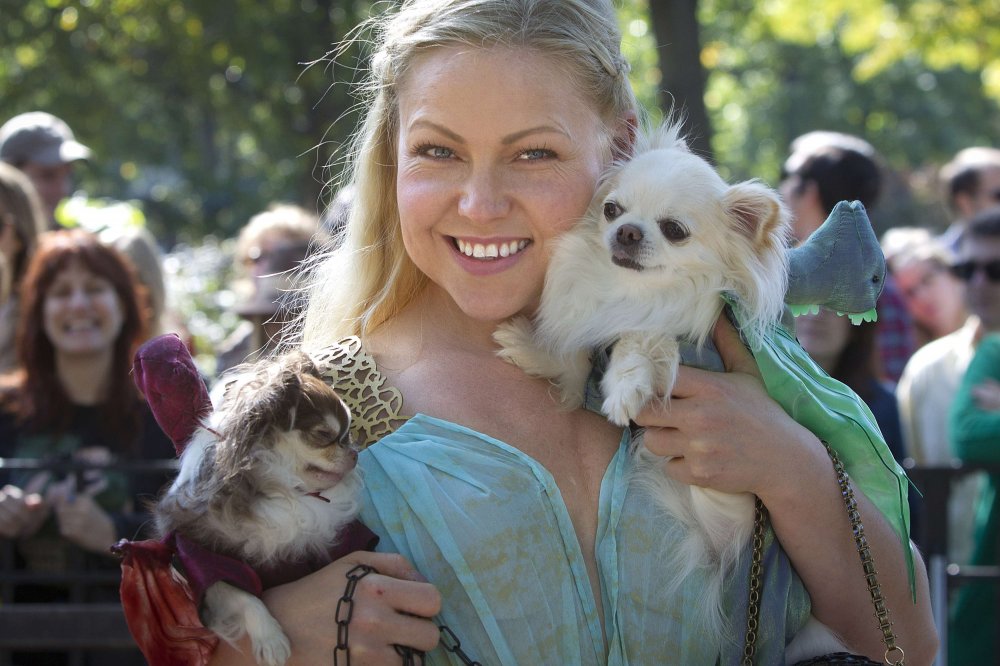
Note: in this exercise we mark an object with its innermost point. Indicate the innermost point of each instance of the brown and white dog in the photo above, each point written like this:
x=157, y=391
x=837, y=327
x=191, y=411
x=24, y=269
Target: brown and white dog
x=269, y=478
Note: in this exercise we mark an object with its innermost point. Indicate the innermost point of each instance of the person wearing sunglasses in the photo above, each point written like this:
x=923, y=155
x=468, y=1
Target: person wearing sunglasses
x=975, y=429
x=971, y=182
x=931, y=378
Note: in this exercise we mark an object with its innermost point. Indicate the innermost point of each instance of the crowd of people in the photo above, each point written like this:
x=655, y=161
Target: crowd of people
x=510, y=521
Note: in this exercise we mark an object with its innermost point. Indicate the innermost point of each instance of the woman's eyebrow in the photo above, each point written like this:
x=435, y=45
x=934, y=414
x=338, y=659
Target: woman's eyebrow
x=540, y=129
x=441, y=129
x=507, y=140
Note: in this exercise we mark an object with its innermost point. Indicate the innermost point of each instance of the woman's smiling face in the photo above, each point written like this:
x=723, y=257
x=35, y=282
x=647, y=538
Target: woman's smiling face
x=497, y=155
x=82, y=312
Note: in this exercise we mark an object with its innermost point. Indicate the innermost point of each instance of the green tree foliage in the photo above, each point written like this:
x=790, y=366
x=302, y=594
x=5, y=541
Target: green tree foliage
x=204, y=110
x=920, y=79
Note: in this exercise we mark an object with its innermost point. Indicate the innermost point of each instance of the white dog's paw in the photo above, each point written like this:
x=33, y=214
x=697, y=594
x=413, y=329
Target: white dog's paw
x=627, y=386
x=623, y=401
x=270, y=645
x=516, y=339
x=230, y=612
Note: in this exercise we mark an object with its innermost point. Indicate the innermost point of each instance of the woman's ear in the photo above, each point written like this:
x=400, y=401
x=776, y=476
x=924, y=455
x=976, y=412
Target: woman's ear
x=626, y=130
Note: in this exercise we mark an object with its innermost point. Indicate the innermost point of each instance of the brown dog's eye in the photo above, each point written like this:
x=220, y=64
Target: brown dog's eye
x=612, y=211
x=673, y=230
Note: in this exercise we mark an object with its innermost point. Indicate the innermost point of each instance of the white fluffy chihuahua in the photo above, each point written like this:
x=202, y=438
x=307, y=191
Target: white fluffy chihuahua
x=664, y=238
x=269, y=479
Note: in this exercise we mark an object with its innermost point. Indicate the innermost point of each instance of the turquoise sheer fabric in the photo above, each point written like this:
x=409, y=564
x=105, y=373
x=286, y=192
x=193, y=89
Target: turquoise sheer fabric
x=487, y=525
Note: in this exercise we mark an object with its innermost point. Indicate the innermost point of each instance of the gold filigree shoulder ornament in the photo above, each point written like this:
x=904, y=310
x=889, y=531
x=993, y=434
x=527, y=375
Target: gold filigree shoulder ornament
x=375, y=407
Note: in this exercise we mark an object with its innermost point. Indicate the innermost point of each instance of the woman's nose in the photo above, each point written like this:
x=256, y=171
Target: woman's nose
x=484, y=197
x=79, y=298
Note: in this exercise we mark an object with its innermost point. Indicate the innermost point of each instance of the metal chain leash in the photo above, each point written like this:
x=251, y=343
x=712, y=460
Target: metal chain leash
x=893, y=653
x=411, y=656
x=756, y=578
x=345, y=611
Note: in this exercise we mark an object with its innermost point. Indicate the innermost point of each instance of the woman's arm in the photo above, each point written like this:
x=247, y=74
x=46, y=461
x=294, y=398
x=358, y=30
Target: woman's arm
x=391, y=607
x=728, y=434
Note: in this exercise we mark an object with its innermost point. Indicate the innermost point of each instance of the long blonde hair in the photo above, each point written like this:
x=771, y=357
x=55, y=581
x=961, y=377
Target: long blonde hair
x=369, y=277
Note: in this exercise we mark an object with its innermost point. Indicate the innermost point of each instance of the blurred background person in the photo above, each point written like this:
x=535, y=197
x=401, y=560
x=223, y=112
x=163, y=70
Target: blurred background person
x=823, y=169
x=141, y=248
x=975, y=431
x=72, y=398
x=919, y=264
x=21, y=222
x=268, y=250
x=930, y=381
x=45, y=149
x=971, y=183
x=5, y=280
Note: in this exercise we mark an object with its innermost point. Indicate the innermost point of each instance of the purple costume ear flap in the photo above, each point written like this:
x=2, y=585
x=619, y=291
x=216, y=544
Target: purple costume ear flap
x=165, y=373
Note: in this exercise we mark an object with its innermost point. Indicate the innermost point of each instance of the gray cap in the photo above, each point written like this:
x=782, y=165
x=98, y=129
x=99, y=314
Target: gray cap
x=41, y=138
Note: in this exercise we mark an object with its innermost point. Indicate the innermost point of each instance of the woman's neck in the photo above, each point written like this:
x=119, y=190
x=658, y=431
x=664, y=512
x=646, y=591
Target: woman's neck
x=430, y=320
x=84, y=378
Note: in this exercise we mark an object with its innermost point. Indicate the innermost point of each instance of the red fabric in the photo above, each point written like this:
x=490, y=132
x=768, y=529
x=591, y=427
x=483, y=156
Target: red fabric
x=167, y=376
x=161, y=606
x=160, y=609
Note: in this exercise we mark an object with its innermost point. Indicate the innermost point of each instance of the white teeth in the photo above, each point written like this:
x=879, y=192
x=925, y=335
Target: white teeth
x=490, y=250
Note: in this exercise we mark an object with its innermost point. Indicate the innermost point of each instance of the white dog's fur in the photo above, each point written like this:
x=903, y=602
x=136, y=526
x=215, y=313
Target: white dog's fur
x=248, y=482
x=664, y=238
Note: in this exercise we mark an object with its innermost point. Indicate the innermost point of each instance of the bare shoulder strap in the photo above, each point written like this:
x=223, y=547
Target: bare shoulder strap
x=375, y=406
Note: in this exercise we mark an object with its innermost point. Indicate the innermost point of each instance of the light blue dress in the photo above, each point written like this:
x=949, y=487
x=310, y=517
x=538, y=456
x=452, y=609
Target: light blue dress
x=487, y=525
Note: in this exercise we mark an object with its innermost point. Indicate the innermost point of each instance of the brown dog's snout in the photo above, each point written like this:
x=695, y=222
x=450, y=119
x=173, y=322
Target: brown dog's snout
x=628, y=235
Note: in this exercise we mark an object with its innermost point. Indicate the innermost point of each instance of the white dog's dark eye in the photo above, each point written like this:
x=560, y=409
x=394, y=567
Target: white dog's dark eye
x=673, y=230
x=612, y=211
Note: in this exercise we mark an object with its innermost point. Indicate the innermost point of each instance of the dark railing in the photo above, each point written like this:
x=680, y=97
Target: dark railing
x=935, y=485
x=75, y=626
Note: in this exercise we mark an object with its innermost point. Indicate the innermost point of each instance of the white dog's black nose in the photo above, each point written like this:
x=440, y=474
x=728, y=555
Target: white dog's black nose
x=628, y=234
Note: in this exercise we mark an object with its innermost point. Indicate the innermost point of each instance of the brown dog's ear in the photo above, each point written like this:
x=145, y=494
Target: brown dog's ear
x=257, y=407
x=303, y=364
x=758, y=213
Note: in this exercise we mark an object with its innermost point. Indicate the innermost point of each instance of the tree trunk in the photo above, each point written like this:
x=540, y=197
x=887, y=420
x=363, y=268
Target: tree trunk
x=675, y=24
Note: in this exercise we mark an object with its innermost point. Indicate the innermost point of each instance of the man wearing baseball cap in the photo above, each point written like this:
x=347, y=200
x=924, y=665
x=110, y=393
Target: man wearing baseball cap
x=44, y=148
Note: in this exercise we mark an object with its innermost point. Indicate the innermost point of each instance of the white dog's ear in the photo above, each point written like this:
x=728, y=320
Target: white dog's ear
x=758, y=213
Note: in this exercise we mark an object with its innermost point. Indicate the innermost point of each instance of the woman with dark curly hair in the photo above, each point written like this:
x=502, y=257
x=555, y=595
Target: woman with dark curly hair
x=72, y=399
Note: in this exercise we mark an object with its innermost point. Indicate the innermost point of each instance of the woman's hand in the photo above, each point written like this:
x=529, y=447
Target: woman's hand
x=391, y=607
x=723, y=431
x=726, y=433
x=23, y=510
x=987, y=395
x=80, y=519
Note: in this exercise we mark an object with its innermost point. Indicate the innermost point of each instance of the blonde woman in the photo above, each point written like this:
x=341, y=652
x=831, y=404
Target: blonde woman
x=503, y=517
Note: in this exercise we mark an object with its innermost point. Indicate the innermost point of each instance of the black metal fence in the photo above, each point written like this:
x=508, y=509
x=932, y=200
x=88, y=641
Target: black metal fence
x=76, y=626
x=936, y=484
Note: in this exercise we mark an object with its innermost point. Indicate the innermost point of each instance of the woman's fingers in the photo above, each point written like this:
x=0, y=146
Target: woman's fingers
x=735, y=355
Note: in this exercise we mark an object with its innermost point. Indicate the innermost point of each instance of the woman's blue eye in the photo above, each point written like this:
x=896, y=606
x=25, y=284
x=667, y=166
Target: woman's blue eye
x=435, y=152
x=537, y=154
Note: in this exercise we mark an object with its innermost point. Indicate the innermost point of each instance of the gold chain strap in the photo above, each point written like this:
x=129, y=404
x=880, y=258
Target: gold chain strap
x=893, y=653
x=867, y=563
x=756, y=579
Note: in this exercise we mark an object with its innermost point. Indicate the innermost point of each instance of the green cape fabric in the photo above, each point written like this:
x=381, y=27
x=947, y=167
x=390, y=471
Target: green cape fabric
x=834, y=413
